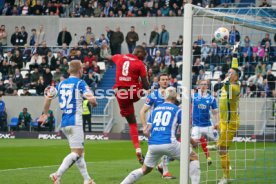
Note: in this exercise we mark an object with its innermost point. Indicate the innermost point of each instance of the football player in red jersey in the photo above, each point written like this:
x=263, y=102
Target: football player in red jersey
x=131, y=79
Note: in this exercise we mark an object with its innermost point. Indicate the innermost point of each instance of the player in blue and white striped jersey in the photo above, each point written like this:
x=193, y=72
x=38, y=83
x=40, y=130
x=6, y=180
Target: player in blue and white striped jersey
x=154, y=99
x=70, y=94
x=161, y=129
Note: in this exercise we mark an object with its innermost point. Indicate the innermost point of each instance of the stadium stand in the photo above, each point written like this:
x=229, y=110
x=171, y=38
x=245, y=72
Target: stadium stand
x=83, y=8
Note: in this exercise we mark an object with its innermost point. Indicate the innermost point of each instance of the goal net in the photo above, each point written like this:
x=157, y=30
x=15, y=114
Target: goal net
x=252, y=153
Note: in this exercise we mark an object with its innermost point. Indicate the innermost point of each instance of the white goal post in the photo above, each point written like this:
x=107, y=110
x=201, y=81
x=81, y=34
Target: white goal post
x=186, y=95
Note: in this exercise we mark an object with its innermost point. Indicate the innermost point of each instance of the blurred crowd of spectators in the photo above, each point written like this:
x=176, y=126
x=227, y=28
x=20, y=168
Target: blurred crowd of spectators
x=255, y=60
x=48, y=66
x=107, y=8
x=34, y=7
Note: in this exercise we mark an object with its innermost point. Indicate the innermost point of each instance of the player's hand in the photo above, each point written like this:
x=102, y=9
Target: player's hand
x=226, y=79
x=216, y=126
x=42, y=119
x=93, y=101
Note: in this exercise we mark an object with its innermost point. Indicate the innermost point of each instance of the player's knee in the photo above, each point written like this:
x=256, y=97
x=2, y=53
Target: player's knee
x=146, y=169
x=193, y=156
x=131, y=118
x=78, y=151
x=195, y=142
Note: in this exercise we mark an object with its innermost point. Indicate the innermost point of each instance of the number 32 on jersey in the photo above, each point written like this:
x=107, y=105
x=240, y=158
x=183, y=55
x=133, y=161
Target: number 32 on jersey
x=65, y=104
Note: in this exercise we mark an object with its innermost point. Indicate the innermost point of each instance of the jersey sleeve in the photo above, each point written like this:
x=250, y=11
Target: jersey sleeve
x=149, y=121
x=84, y=88
x=150, y=99
x=214, y=104
x=143, y=71
x=58, y=86
x=192, y=98
x=116, y=58
x=179, y=116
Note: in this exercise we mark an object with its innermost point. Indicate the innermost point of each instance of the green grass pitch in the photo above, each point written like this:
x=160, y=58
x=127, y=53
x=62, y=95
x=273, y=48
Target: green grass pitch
x=27, y=161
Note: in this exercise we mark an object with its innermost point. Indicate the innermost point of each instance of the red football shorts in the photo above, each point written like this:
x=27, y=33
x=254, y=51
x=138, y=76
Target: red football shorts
x=126, y=99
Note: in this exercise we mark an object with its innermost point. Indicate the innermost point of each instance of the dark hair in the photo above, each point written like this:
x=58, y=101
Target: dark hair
x=161, y=75
x=140, y=47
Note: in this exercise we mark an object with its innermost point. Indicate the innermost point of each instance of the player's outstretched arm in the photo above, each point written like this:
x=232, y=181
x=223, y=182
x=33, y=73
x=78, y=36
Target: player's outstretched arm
x=46, y=106
x=145, y=83
x=91, y=98
x=146, y=130
x=215, y=113
x=143, y=113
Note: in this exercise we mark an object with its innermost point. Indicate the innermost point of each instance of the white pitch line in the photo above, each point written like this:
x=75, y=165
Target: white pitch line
x=26, y=168
x=39, y=167
x=36, y=167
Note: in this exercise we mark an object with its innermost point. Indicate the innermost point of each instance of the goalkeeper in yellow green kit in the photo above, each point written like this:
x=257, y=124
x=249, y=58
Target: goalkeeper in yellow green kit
x=229, y=117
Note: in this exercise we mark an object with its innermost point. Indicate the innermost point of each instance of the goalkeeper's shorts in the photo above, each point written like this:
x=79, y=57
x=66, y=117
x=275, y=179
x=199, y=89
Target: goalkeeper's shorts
x=227, y=133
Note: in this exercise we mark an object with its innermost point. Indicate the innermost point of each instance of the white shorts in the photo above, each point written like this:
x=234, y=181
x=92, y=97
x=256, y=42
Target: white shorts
x=197, y=132
x=155, y=152
x=74, y=135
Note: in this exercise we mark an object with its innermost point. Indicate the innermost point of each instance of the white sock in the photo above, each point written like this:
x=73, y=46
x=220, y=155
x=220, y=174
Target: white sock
x=138, y=150
x=133, y=176
x=161, y=163
x=165, y=163
x=81, y=164
x=195, y=171
x=67, y=162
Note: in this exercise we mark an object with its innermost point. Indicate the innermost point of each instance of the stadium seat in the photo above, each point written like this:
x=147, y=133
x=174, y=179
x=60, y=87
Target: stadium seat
x=273, y=72
x=213, y=84
x=217, y=75
x=13, y=123
x=32, y=91
x=19, y=92
x=102, y=66
x=178, y=64
x=23, y=73
x=27, y=67
x=34, y=124
x=209, y=75
x=274, y=67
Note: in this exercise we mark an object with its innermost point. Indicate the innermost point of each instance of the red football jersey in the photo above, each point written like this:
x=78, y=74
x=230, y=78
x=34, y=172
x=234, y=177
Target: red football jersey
x=129, y=69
